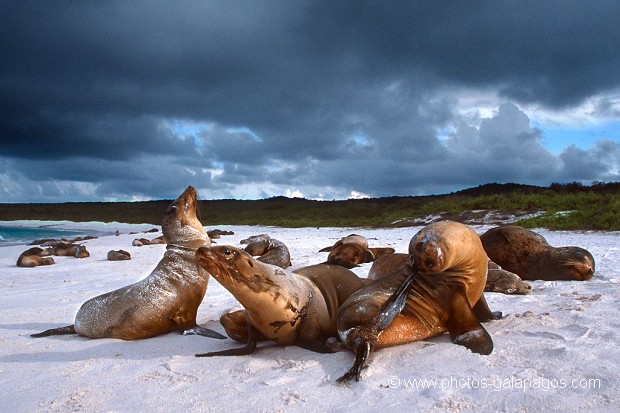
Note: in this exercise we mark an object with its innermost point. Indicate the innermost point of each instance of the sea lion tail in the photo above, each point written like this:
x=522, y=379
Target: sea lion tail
x=56, y=332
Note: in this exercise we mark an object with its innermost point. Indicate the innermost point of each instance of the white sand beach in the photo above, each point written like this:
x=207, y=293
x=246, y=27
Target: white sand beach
x=555, y=349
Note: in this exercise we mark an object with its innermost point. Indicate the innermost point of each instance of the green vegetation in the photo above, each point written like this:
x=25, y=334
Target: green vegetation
x=569, y=206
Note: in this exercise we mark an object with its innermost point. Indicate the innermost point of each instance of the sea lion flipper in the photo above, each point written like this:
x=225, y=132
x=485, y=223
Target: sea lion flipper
x=249, y=347
x=484, y=313
x=202, y=331
x=361, y=355
x=55, y=332
x=394, y=305
x=464, y=327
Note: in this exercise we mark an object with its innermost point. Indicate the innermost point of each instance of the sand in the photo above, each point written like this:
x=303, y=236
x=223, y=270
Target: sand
x=556, y=349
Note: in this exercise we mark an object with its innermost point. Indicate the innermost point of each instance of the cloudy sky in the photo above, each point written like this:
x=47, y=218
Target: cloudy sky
x=131, y=100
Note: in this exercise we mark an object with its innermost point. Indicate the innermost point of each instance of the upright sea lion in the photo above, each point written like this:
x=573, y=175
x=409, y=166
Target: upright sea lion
x=530, y=256
x=440, y=290
x=290, y=308
x=498, y=279
x=270, y=251
x=34, y=257
x=164, y=301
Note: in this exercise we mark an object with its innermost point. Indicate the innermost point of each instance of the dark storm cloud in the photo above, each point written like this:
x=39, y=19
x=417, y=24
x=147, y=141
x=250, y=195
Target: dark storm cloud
x=318, y=94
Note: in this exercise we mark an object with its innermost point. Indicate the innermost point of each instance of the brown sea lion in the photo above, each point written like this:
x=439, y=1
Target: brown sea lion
x=349, y=239
x=291, y=308
x=119, y=255
x=34, y=257
x=439, y=291
x=164, y=301
x=70, y=250
x=530, y=256
x=270, y=251
x=349, y=255
x=498, y=279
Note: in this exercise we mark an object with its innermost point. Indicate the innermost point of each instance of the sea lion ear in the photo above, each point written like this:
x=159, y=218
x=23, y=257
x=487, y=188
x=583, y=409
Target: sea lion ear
x=463, y=325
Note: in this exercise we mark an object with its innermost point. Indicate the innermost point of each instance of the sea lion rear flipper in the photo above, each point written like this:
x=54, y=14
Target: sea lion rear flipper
x=56, y=332
x=202, y=331
x=361, y=354
x=249, y=347
x=362, y=344
x=464, y=327
x=483, y=312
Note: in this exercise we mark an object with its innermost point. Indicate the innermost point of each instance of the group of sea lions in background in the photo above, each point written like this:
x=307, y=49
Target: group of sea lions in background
x=36, y=256
x=436, y=287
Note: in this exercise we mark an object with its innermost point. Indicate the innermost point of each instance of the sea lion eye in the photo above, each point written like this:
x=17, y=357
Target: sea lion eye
x=186, y=206
x=227, y=251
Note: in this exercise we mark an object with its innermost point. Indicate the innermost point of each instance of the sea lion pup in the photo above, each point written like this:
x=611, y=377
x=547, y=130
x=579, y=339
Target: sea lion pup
x=270, y=251
x=164, y=301
x=34, y=257
x=530, y=256
x=349, y=239
x=501, y=281
x=498, y=279
x=291, y=308
x=437, y=292
x=119, y=255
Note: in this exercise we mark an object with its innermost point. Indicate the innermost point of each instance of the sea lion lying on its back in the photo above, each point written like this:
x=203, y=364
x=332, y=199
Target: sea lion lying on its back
x=441, y=290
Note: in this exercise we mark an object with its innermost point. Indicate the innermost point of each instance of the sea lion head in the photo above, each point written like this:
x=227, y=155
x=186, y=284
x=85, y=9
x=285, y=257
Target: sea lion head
x=426, y=253
x=573, y=263
x=235, y=269
x=180, y=224
x=349, y=255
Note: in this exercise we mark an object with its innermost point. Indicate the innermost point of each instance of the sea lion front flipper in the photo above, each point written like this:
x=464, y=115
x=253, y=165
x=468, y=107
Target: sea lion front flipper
x=464, y=327
x=56, y=332
x=249, y=347
x=483, y=312
x=202, y=331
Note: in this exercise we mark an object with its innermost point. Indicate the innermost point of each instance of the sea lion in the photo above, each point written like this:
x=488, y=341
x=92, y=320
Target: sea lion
x=349, y=239
x=291, y=308
x=34, y=257
x=501, y=281
x=119, y=255
x=70, y=250
x=530, y=256
x=349, y=255
x=254, y=238
x=164, y=301
x=439, y=291
x=270, y=251
x=498, y=279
